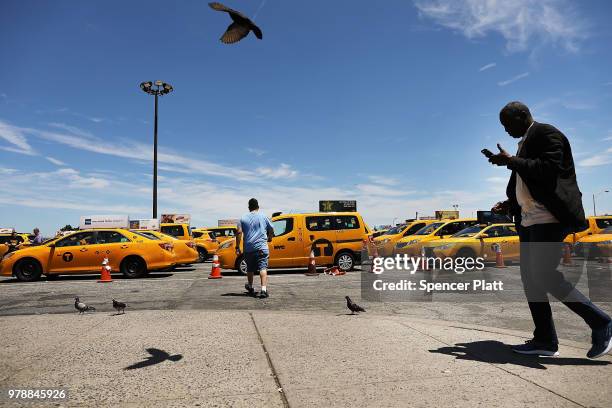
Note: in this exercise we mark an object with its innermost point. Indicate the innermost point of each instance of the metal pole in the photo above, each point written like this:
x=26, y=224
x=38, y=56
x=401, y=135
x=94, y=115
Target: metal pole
x=155, y=162
x=594, y=212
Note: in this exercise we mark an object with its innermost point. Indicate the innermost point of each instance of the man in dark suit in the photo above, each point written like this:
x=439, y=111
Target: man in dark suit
x=544, y=198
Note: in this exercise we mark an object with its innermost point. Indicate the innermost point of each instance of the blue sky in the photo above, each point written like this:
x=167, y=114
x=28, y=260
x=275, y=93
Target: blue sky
x=388, y=103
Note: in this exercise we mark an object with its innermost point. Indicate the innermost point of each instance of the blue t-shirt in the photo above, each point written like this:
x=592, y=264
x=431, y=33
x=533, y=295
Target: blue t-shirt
x=254, y=228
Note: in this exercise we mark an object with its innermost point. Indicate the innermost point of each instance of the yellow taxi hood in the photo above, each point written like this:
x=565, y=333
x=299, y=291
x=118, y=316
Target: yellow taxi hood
x=596, y=238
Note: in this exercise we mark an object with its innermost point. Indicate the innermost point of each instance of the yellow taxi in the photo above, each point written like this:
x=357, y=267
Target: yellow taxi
x=596, y=225
x=222, y=233
x=83, y=251
x=596, y=245
x=477, y=241
x=412, y=245
x=334, y=239
x=186, y=252
x=184, y=233
x=385, y=243
x=207, y=243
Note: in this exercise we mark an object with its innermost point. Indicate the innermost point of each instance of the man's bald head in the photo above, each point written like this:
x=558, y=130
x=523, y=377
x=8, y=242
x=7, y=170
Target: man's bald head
x=515, y=118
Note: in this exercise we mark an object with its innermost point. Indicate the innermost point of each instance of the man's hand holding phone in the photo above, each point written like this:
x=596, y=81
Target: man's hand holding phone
x=500, y=159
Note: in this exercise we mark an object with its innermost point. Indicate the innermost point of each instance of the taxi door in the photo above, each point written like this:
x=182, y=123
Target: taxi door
x=349, y=233
x=321, y=238
x=112, y=245
x=285, y=246
x=73, y=254
x=502, y=236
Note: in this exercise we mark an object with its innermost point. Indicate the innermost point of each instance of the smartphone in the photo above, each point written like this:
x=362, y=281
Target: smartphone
x=487, y=153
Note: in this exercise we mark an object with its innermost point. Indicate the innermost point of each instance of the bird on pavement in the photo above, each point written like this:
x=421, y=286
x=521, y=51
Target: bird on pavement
x=119, y=306
x=82, y=307
x=352, y=306
x=240, y=27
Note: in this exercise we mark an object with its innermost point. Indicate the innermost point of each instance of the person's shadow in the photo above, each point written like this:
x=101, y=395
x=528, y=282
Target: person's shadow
x=157, y=356
x=495, y=352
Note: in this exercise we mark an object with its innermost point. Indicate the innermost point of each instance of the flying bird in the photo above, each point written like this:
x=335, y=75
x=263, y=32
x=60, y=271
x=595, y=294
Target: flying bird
x=119, y=306
x=82, y=307
x=353, y=307
x=240, y=27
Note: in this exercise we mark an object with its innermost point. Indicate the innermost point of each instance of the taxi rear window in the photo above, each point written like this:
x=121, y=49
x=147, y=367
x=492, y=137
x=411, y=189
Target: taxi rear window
x=327, y=223
x=603, y=222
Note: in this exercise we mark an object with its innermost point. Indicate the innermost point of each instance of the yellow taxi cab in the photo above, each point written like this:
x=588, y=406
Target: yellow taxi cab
x=184, y=233
x=477, y=241
x=186, y=252
x=334, y=238
x=207, y=243
x=222, y=233
x=596, y=245
x=83, y=251
x=385, y=243
x=412, y=245
x=596, y=224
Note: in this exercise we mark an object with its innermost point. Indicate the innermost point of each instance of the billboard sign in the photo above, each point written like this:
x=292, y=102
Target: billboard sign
x=337, y=206
x=447, y=215
x=151, y=224
x=104, y=221
x=7, y=230
x=230, y=222
x=176, y=218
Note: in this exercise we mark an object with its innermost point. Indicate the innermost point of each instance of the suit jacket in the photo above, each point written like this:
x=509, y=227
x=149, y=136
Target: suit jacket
x=546, y=165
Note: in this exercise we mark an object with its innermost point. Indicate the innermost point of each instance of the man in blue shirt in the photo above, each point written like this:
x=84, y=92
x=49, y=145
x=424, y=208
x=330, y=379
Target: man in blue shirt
x=257, y=231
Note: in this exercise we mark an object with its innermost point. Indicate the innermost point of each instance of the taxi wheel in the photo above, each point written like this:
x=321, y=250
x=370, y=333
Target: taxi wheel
x=345, y=261
x=202, y=254
x=133, y=267
x=241, y=265
x=28, y=270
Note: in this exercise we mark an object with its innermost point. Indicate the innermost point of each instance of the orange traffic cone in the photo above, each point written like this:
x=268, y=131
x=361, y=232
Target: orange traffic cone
x=215, y=272
x=567, y=255
x=105, y=275
x=312, y=265
x=499, y=257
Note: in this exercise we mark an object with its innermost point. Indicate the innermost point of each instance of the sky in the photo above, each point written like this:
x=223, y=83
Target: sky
x=387, y=103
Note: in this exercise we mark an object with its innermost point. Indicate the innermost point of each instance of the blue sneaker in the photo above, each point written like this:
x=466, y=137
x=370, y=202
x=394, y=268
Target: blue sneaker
x=534, y=347
x=601, y=341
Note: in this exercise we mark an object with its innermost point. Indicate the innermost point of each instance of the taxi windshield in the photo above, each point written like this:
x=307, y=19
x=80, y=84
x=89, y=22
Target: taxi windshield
x=468, y=232
x=395, y=230
x=429, y=229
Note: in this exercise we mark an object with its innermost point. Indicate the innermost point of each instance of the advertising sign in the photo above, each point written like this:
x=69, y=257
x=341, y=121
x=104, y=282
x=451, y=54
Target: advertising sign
x=447, y=215
x=338, y=206
x=104, y=221
x=176, y=218
x=231, y=222
x=7, y=230
x=145, y=224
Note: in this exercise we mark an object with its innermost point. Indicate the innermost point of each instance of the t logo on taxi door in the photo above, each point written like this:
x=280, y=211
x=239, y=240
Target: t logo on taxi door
x=322, y=247
x=67, y=257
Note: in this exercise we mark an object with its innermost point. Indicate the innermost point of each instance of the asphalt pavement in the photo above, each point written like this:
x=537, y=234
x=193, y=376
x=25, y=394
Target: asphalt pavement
x=186, y=340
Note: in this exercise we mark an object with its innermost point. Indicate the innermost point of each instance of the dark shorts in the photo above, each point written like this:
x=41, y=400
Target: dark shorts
x=256, y=260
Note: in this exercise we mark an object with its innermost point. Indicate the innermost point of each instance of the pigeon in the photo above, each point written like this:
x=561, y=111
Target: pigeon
x=119, y=306
x=353, y=307
x=82, y=307
x=240, y=27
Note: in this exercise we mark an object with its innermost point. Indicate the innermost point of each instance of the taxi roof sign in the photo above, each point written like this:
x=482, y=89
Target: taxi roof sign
x=7, y=230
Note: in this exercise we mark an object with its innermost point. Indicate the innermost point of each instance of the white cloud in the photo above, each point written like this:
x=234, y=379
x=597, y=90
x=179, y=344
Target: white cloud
x=522, y=23
x=255, y=151
x=513, y=79
x=384, y=180
x=283, y=171
x=488, y=66
x=600, y=159
x=55, y=161
x=16, y=138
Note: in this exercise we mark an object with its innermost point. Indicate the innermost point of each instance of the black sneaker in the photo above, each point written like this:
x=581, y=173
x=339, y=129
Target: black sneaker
x=263, y=294
x=602, y=341
x=536, y=348
x=249, y=289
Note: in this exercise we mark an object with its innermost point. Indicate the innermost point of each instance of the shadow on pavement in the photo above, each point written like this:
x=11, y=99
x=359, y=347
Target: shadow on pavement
x=157, y=356
x=243, y=294
x=92, y=277
x=495, y=352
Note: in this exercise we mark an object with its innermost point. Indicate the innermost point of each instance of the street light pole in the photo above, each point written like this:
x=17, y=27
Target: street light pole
x=162, y=89
x=596, y=194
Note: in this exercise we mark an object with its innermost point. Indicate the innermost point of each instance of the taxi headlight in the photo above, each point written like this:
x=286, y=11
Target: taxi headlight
x=386, y=240
x=413, y=241
x=226, y=244
x=401, y=244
